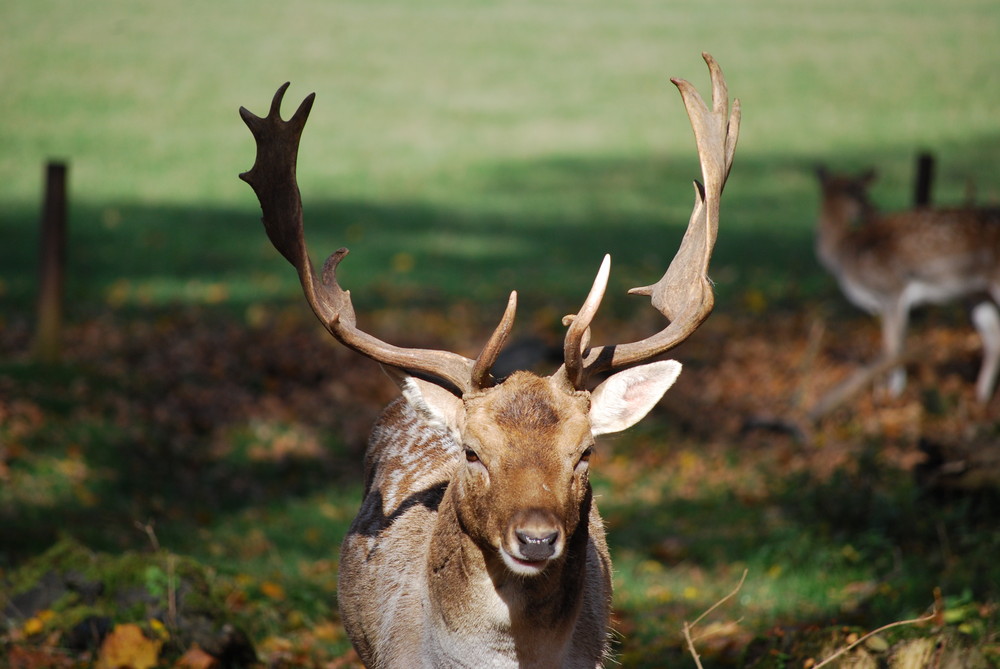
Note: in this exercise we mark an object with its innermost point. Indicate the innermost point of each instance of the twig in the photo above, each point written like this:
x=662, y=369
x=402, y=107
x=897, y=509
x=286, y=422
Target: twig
x=171, y=592
x=928, y=617
x=690, y=643
x=723, y=600
x=857, y=381
x=807, y=364
x=689, y=626
x=151, y=533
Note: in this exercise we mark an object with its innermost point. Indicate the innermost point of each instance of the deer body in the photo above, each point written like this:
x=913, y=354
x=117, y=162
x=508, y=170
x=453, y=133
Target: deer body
x=423, y=494
x=478, y=543
x=887, y=264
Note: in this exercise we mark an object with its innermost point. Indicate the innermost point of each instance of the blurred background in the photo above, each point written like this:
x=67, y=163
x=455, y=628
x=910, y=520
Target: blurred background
x=464, y=149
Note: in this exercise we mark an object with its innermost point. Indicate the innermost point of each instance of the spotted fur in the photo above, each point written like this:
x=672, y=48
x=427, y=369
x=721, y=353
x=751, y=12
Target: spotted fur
x=889, y=263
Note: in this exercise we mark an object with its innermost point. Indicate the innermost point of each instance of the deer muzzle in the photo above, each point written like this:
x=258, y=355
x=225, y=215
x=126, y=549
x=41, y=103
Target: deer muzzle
x=533, y=539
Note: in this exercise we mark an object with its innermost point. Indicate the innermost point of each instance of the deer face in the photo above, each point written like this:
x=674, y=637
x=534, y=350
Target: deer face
x=845, y=198
x=527, y=445
x=522, y=489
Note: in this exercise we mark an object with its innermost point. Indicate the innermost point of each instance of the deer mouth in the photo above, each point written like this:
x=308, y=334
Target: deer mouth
x=530, y=553
x=522, y=565
x=532, y=540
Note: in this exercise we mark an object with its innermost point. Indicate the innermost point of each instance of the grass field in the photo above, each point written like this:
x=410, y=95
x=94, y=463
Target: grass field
x=521, y=135
x=462, y=150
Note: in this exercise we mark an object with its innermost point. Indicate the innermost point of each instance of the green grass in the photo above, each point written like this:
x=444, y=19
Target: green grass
x=530, y=139
x=462, y=150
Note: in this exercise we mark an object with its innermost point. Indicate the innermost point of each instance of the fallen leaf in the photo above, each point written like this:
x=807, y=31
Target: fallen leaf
x=196, y=658
x=127, y=646
x=327, y=631
x=159, y=629
x=272, y=590
x=32, y=626
x=40, y=658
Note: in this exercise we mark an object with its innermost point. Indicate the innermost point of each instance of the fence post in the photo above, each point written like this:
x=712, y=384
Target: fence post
x=924, y=180
x=52, y=265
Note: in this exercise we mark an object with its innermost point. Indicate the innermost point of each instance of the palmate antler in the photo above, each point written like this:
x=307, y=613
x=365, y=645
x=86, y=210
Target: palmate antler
x=273, y=179
x=683, y=295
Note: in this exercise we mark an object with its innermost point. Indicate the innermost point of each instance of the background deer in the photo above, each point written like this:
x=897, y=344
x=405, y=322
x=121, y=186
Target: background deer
x=478, y=543
x=889, y=263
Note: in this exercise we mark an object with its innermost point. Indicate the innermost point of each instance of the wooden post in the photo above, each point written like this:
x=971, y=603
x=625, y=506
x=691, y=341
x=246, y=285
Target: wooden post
x=924, y=180
x=52, y=265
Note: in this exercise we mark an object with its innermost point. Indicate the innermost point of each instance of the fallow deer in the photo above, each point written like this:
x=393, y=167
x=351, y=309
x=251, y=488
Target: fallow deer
x=888, y=263
x=478, y=542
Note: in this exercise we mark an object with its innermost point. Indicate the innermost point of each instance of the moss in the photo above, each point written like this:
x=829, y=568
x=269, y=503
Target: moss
x=65, y=556
x=74, y=585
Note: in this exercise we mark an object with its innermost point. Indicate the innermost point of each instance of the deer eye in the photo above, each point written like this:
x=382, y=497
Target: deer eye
x=471, y=455
x=585, y=456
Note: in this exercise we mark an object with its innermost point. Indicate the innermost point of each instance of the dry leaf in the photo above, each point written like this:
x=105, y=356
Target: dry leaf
x=272, y=590
x=32, y=658
x=127, y=646
x=196, y=658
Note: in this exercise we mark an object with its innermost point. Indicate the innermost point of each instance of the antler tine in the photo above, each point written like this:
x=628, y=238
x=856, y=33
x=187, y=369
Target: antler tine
x=578, y=335
x=481, y=370
x=272, y=178
x=684, y=293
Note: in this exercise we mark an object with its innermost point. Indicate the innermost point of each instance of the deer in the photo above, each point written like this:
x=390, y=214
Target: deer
x=889, y=263
x=478, y=542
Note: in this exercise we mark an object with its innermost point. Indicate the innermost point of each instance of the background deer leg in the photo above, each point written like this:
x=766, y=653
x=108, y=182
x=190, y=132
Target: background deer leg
x=987, y=321
x=894, y=322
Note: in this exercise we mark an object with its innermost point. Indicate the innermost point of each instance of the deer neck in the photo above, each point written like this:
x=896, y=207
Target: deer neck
x=473, y=594
x=839, y=220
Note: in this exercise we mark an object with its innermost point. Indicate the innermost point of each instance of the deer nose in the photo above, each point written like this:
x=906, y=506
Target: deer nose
x=536, y=545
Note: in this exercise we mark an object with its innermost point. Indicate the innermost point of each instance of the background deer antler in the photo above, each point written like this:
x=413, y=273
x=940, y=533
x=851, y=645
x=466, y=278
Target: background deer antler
x=272, y=178
x=684, y=293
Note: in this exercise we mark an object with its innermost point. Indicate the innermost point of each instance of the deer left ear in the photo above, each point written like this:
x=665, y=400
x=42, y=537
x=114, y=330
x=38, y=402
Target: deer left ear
x=625, y=398
x=437, y=405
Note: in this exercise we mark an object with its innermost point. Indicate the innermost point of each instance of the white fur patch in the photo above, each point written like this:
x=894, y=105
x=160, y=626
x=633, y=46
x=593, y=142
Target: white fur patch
x=435, y=404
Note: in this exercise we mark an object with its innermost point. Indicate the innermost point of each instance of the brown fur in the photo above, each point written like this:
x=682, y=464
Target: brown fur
x=422, y=582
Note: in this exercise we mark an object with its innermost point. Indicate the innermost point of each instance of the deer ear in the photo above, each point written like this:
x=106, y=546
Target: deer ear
x=435, y=404
x=625, y=398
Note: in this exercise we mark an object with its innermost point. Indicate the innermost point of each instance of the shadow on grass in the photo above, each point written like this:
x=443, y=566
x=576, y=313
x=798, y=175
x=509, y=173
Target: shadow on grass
x=177, y=418
x=538, y=227
x=541, y=229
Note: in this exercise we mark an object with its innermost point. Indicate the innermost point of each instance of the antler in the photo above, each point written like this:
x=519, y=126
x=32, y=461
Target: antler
x=684, y=293
x=272, y=178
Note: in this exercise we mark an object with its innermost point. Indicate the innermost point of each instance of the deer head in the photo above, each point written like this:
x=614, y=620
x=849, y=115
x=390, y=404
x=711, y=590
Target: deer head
x=524, y=487
x=845, y=199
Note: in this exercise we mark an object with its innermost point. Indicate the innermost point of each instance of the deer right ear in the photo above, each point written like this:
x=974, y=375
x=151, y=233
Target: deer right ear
x=434, y=403
x=625, y=398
